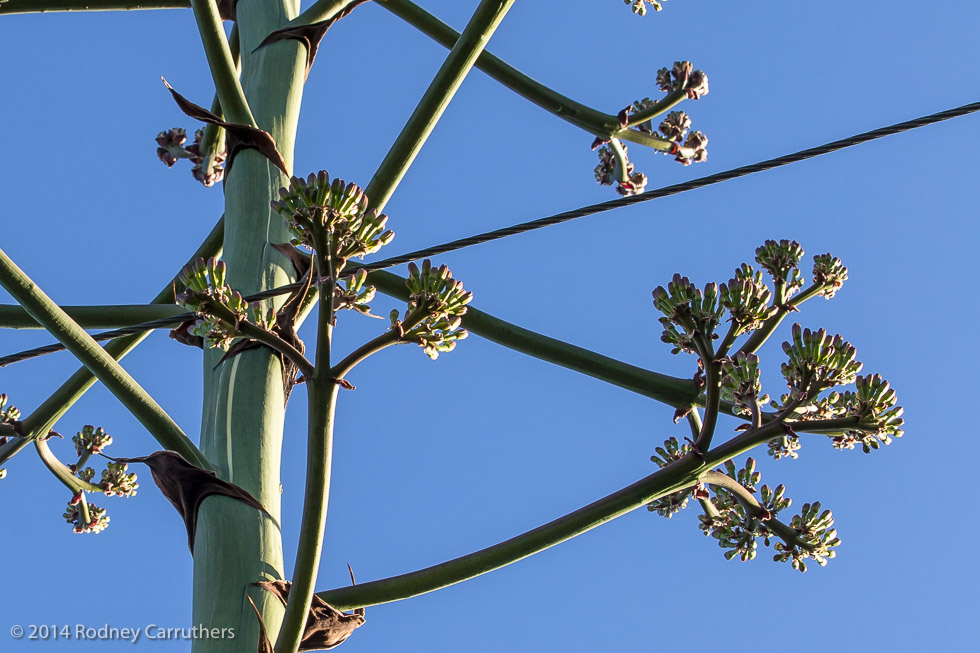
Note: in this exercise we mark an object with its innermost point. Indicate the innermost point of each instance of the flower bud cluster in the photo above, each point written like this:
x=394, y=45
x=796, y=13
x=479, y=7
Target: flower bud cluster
x=91, y=440
x=874, y=404
x=670, y=505
x=817, y=361
x=671, y=452
x=785, y=446
x=690, y=314
x=815, y=528
x=8, y=414
x=828, y=273
x=740, y=383
x=683, y=76
x=639, y=7
x=610, y=172
x=116, y=482
x=98, y=519
x=205, y=290
x=333, y=213
x=170, y=148
x=736, y=529
x=747, y=299
x=352, y=292
x=782, y=261
x=436, y=305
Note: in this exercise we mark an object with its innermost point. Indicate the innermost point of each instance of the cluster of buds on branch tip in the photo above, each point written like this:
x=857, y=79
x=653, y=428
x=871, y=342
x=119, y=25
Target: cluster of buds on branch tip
x=436, y=305
x=170, y=148
x=354, y=293
x=673, y=135
x=90, y=440
x=639, y=7
x=116, y=481
x=615, y=168
x=739, y=514
x=220, y=309
x=74, y=514
x=331, y=218
x=8, y=415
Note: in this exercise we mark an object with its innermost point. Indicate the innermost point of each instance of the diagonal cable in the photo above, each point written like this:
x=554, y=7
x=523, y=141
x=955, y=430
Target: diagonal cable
x=557, y=218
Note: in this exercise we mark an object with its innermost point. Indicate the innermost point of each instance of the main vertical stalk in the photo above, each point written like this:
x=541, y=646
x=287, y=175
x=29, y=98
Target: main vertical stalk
x=244, y=405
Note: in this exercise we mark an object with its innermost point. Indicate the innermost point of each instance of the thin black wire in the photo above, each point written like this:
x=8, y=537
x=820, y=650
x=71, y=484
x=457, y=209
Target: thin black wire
x=675, y=189
x=558, y=218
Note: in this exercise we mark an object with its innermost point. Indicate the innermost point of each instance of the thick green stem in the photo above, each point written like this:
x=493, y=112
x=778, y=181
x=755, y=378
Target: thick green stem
x=244, y=399
x=447, y=81
x=100, y=363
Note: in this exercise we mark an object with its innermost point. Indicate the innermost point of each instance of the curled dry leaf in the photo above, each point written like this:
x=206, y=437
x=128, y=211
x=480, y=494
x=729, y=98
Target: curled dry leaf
x=309, y=35
x=226, y=9
x=240, y=137
x=186, y=486
x=265, y=646
x=326, y=627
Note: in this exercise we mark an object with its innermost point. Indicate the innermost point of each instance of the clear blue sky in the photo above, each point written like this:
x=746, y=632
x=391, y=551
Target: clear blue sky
x=89, y=212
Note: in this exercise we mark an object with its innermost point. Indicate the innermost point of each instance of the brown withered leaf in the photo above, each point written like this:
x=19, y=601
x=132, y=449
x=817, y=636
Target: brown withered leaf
x=240, y=137
x=186, y=486
x=182, y=334
x=679, y=414
x=265, y=646
x=309, y=35
x=326, y=627
x=226, y=9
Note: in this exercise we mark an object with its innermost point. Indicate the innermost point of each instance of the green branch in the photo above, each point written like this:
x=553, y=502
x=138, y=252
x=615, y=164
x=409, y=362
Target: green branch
x=394, y=336
x=224, y=71
x=101, y=364
x=677, y=476
x=661, y=106
x=665, y=481
x=667, y=389
x=13, y=316
x=759, y=337
x=45, y=416
x=447, y=81
x=322, y=392
x=61, y=471
x=578, y=114
x=43, y=6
